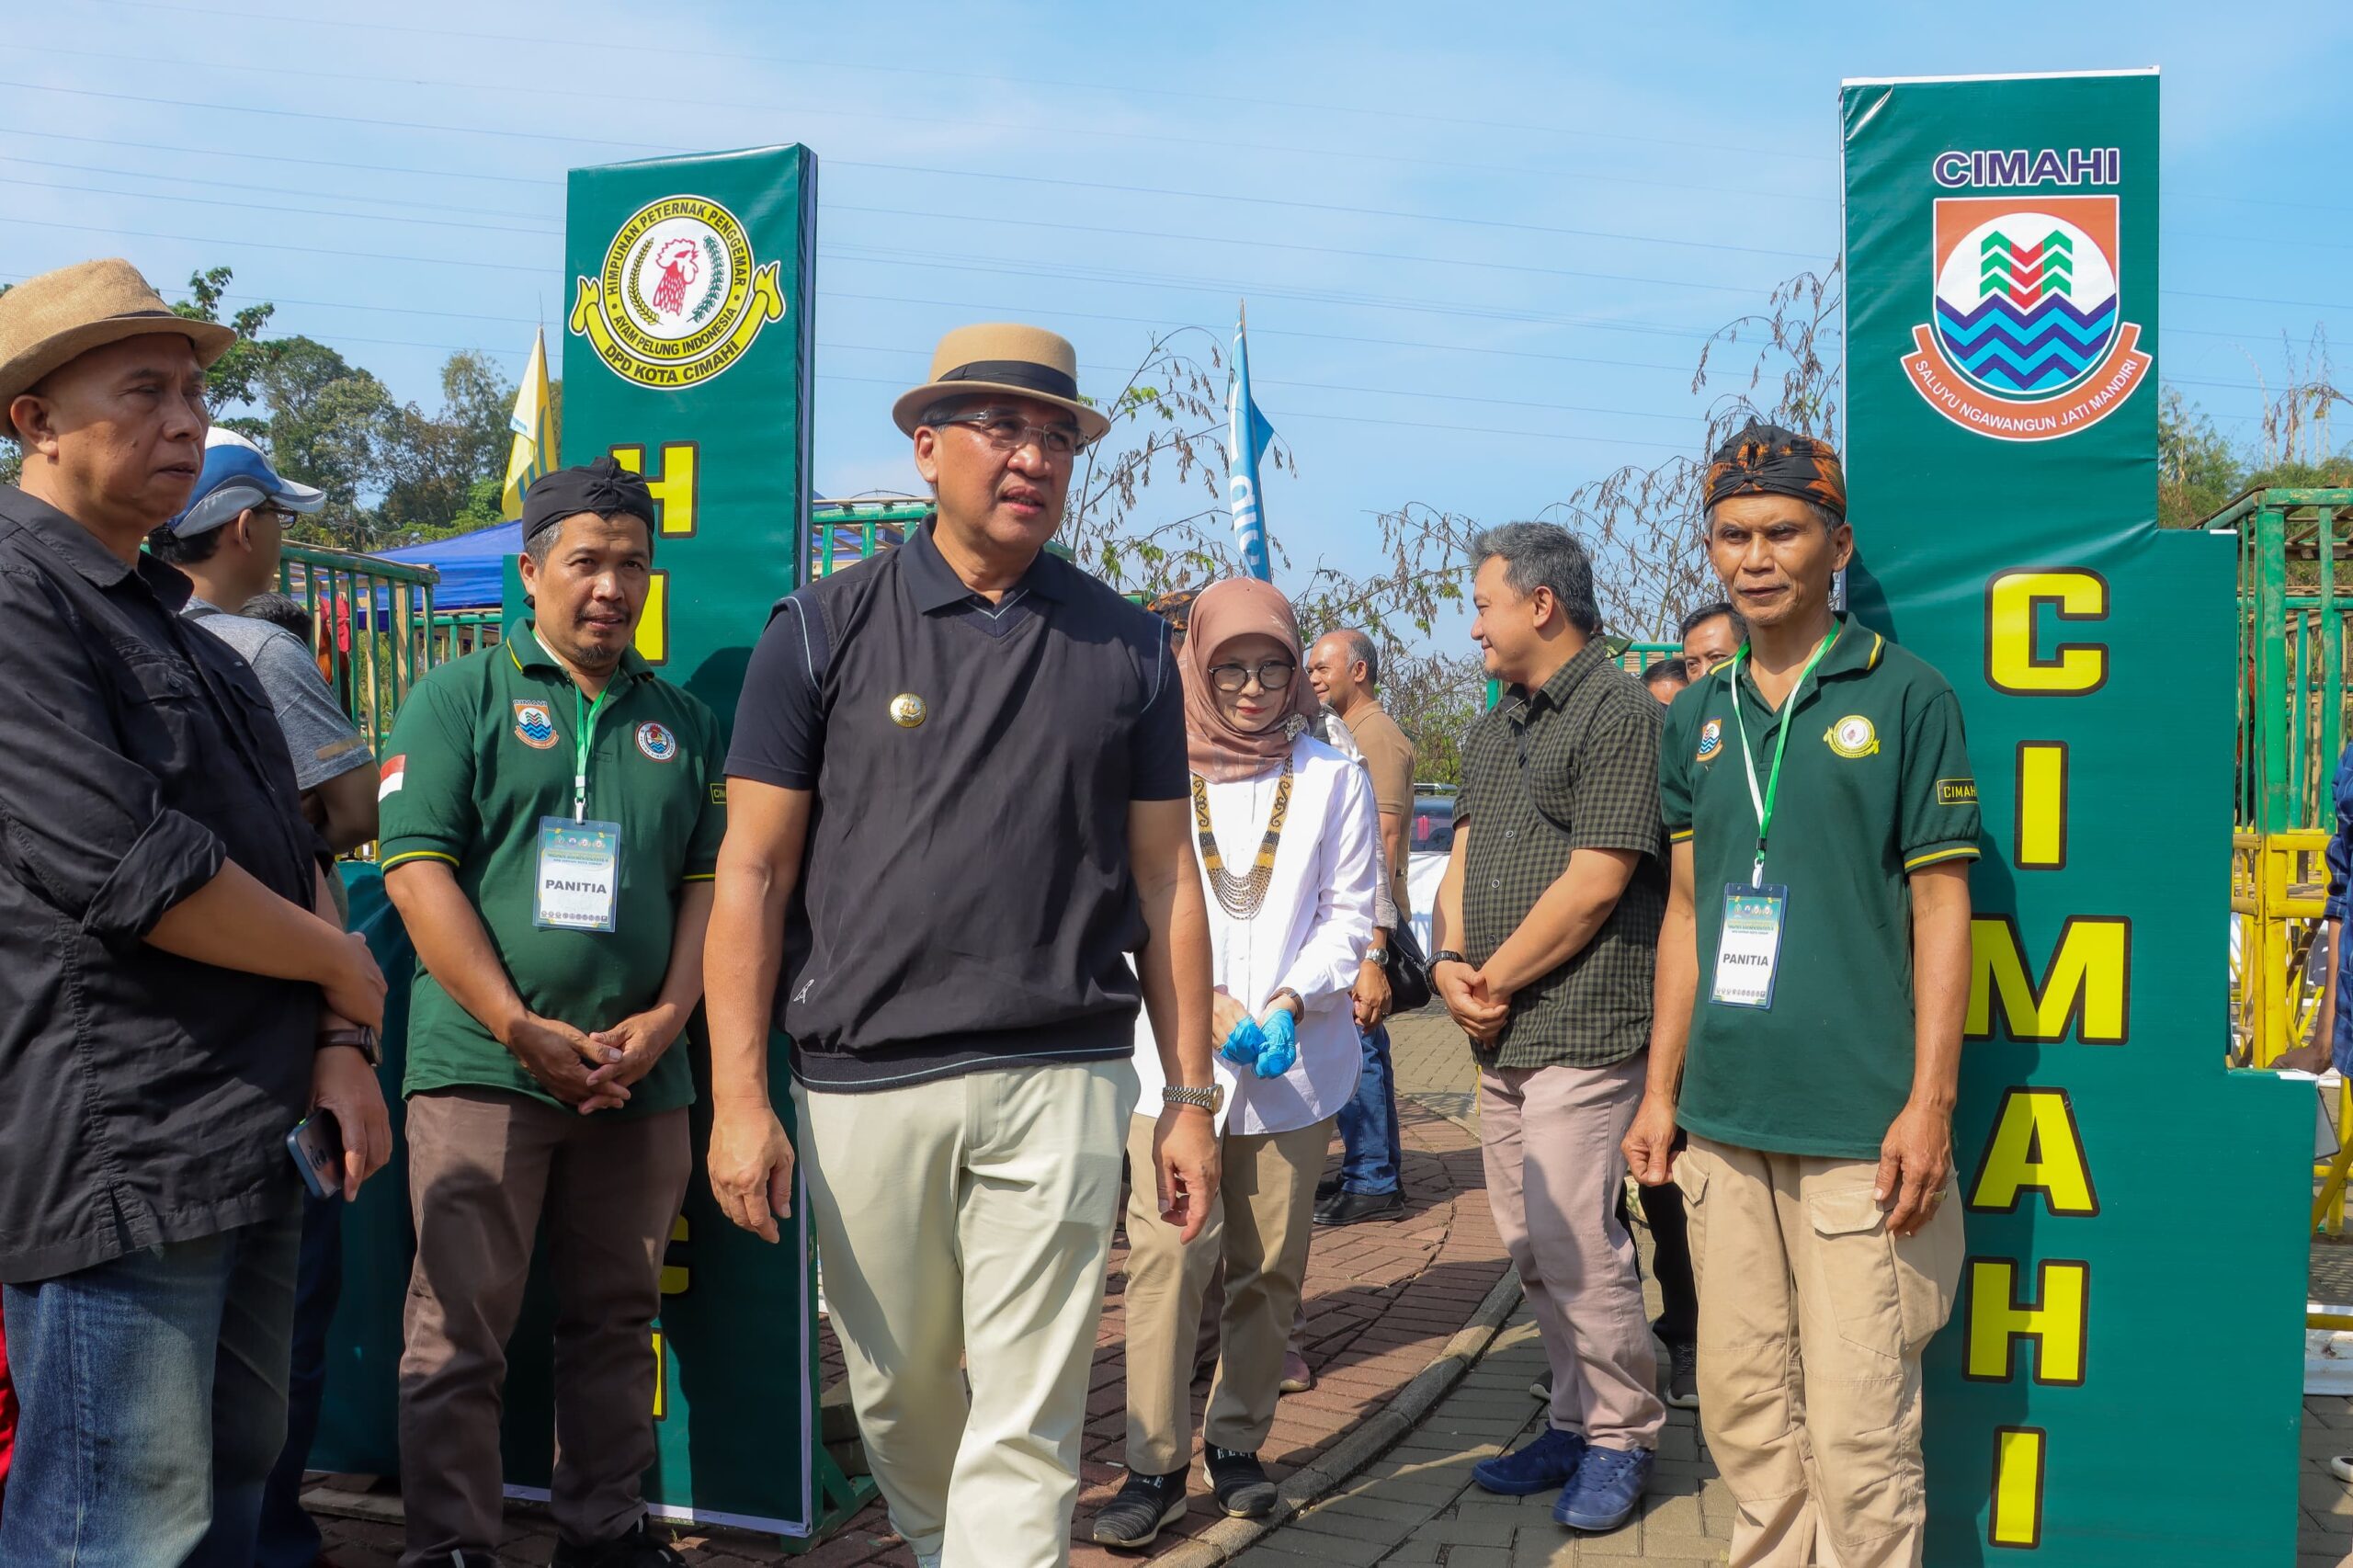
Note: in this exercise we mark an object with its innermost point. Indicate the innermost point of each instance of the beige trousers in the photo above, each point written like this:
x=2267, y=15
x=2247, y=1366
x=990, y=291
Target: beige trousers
x=965, y=1226
x=1812, y=1322
x=1549, y=1137
x=1259, y=1226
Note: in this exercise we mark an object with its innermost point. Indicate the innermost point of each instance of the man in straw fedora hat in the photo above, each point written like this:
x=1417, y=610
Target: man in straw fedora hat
x=956, y=806
x=176, y=994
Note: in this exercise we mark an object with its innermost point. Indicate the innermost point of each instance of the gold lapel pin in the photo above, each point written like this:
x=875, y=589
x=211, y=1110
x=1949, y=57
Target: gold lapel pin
x=908, y=711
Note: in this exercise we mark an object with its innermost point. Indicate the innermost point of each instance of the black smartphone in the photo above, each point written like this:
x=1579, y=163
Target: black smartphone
x=316, y=1146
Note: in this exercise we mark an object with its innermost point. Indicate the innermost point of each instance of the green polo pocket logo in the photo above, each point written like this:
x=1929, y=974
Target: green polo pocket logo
x=1956, y=791
x=1852, y=736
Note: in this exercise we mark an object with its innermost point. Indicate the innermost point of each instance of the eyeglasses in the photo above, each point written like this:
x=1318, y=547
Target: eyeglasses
x=1008, y=432
x=1274, y=674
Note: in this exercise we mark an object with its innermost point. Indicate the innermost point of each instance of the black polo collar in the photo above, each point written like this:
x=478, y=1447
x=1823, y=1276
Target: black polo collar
x=933, y=583
x=80, y=549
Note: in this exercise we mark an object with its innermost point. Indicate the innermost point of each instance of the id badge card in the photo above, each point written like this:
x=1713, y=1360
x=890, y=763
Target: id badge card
x=1748, y=948
x=579, y=875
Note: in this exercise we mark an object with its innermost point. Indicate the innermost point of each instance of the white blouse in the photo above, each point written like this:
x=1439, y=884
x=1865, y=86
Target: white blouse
x=1310, y=935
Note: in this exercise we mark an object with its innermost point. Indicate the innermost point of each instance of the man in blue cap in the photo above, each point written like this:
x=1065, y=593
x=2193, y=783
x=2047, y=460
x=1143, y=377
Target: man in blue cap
x=227, y=542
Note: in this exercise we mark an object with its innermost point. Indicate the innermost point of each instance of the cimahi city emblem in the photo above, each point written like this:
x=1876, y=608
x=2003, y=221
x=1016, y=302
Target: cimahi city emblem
x=2026, y=339
x=680, y=297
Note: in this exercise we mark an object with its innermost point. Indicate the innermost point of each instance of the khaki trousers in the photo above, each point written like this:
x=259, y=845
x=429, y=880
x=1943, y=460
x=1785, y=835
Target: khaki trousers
x=1258, y=1226
x=485, y=1167
x=1812, y=1322
x=1550, y=1137
x=965, y=1225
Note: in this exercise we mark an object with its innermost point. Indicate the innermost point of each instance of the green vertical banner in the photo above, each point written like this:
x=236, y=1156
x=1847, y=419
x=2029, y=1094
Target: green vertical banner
x=688, y=357
x=2120, y=1383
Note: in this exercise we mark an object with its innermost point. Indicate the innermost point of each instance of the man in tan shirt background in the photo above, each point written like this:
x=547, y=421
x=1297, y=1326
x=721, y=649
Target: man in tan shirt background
x=1345, y=667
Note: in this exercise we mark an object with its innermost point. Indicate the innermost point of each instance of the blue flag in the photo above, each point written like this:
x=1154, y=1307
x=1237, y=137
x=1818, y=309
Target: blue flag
x=1248, y=437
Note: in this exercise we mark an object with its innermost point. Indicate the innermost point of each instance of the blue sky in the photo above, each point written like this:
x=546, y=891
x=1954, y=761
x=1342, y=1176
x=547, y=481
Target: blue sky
x=1482, y=244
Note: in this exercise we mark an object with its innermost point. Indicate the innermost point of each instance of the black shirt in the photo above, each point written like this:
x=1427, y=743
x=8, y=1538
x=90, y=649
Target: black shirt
x=965, y=900
x=143, y=1098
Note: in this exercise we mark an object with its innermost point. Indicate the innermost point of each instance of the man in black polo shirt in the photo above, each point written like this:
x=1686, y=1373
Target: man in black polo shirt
x=174, y=992
x=1814, y=964
x=956, y=808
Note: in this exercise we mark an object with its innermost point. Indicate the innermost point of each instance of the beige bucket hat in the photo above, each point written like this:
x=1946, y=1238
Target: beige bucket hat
x=62, y=315
x=1002, y=356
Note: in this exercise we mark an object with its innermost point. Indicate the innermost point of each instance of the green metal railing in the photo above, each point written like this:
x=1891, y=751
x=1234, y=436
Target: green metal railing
x=2292, y=656
x=842, y=533
x=2294, y=600
x=454, y=633
x=370, y=625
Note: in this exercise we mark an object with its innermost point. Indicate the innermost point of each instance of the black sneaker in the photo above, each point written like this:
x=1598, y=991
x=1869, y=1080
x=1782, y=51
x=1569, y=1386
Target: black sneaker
x=1682, y=1374
x=1239, y=1483
x=1327, y=1188
x=1147, y=1503
x=641, y=1548
x=1347, y=1207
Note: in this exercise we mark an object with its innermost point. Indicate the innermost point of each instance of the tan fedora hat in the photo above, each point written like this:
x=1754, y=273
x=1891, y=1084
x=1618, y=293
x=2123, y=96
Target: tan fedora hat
x=1002, y=356
x=62, y=315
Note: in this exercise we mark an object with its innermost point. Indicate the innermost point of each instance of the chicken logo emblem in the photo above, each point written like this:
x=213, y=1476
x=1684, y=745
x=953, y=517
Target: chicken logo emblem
x=680, y=296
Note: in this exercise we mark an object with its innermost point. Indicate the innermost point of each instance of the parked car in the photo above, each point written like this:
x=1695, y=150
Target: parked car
x=1431, y=839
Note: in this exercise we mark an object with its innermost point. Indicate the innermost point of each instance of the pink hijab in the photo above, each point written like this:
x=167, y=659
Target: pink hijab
x=1217, y=748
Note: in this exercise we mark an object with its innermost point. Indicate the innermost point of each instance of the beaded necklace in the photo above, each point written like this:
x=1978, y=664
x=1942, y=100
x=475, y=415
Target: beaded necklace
x=1241, y=896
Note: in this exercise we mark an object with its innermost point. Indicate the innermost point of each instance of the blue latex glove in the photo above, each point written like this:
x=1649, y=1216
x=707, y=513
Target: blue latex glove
x=1244, y=1043
x=1281, y=1032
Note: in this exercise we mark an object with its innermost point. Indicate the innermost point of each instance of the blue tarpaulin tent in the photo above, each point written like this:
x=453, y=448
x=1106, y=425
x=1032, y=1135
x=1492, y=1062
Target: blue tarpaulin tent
x=470, y=565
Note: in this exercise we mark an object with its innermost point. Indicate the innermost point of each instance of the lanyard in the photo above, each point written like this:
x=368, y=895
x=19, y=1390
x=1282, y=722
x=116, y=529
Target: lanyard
x=583, y=724
x=1764, y=803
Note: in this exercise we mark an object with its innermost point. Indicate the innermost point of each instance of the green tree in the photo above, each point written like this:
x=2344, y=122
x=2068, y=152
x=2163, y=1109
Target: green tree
x=235, y=379
x=437, y=466
x=329, y=424
x=2197, y=473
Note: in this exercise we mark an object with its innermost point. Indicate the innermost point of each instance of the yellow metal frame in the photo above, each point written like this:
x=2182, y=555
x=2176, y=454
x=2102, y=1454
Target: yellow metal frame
x=2280, y=920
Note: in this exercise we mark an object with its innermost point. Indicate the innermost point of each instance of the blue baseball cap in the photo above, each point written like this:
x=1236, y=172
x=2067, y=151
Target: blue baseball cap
x=237, y=476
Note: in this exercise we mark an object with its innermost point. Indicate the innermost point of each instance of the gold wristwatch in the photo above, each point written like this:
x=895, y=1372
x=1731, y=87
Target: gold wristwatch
x=1208, y=1098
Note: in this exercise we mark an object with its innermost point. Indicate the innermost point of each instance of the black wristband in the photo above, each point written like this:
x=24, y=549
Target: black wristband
x=1448, y=954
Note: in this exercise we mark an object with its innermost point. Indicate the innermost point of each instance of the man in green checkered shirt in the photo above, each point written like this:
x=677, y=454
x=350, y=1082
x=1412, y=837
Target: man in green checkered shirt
x=1546, y=931
x=1812, y=973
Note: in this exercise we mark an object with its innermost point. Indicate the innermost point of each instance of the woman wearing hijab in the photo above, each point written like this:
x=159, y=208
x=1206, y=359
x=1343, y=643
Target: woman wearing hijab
x=1286, y=830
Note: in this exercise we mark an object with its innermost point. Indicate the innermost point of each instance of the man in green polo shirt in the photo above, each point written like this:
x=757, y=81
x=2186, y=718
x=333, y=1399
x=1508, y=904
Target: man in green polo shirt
x=1812, y=973
x=551, y=819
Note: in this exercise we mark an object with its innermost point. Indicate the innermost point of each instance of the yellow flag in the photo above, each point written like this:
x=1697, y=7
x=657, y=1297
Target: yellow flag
x=534, y=426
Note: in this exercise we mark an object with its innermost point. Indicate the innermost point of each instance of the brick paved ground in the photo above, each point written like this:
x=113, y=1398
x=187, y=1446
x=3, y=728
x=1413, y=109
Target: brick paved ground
x=1383, y=1299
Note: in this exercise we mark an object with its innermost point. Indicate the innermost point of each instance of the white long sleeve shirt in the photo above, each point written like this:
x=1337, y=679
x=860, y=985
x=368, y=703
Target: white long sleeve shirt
x=1310, y=935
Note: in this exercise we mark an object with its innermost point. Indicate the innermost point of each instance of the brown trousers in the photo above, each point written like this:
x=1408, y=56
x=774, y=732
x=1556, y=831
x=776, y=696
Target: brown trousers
x=1812, y=1322
x=1549, y=1137
x=1259, y=1225
x=484, y=1168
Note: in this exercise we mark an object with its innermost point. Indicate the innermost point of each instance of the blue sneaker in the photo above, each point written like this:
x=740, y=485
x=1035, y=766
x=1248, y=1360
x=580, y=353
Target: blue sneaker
x=1540, y=1466
x=1606, y=1490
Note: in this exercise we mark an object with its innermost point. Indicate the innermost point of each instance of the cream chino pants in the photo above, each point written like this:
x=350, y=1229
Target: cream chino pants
x=965, y=1226
x=1812, y=1322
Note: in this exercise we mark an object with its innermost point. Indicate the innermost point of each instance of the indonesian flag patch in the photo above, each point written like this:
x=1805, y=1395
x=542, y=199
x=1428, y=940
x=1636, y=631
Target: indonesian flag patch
x=395, y=773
